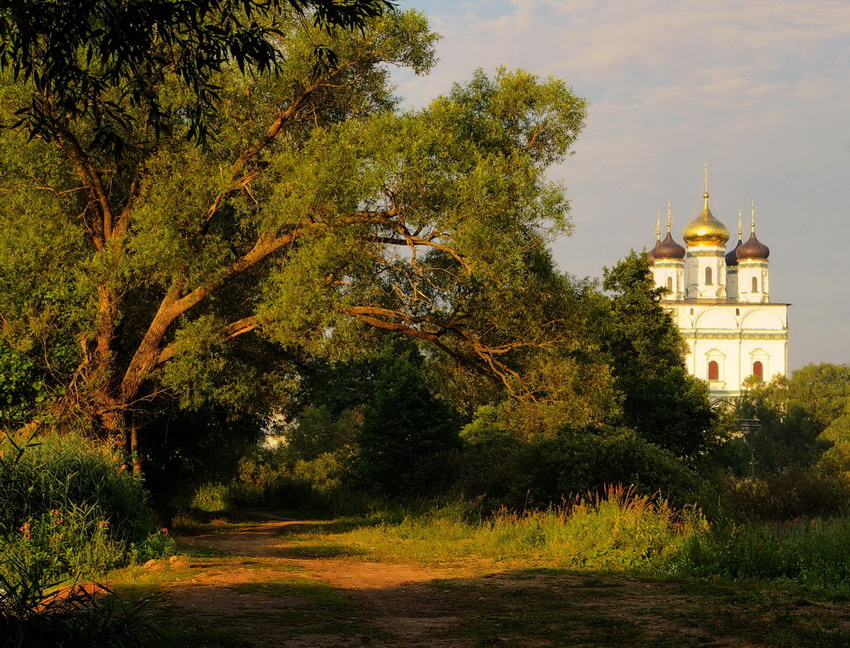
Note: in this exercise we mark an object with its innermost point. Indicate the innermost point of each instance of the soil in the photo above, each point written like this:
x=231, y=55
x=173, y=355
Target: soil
x=252, y=588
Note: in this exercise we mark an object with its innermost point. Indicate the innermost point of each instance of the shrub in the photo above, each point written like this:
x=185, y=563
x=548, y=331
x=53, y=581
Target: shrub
x=813, y=553
x=67, y=510
x=67, y=503
x=796, y=492
x=545, y=469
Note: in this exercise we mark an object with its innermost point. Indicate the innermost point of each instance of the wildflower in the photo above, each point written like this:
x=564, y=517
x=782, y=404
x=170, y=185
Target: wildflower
x=103, y=524
x=25, y=529
x=164, y=531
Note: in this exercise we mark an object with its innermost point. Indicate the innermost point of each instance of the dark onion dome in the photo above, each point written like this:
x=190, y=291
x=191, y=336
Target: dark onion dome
x=753, y=249
x=650, y=256
x=668, y=249
x=732, y=256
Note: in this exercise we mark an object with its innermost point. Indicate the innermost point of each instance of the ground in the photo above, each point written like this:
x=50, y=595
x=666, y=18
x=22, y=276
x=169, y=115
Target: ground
x=261, y=584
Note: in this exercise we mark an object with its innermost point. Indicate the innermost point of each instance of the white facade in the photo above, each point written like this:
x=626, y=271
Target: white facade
x=721, y=303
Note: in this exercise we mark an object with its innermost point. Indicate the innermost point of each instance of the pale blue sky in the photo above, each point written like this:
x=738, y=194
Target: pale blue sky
x=758, y=89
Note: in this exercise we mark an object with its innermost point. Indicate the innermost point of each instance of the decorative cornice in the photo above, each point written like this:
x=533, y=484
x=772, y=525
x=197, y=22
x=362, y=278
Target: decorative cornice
x=669, y=263
x=712, y=252
x=695, y=334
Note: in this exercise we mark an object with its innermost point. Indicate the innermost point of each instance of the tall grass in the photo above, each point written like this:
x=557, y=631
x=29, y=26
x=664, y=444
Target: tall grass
x=617, y=529
x=812, y=553
x=68, y=512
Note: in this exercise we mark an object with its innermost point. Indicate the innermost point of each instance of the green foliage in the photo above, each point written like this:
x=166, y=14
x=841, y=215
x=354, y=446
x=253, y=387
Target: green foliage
x=406, y=434
x=321, y=212
x=824, y=389
x=67, y=505
x=21, y=386
x=812, y=553
x=782, y=432
x=786, y=455
x=107, y=63
x=660, y=401
x=505, y=469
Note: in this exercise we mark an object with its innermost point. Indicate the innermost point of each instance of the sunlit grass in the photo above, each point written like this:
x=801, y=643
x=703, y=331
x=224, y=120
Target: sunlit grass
x=617, y=530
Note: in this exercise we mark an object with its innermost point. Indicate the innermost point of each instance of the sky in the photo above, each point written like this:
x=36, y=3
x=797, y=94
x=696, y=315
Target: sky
x=759, y=90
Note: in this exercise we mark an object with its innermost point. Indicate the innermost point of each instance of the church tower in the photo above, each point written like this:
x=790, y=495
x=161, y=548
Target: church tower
x=720, y=301
x=705, y=268
x=732, y=266
x=668, y=261
x=753, y=283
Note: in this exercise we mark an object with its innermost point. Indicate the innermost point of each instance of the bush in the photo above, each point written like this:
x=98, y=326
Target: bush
x=813, y=553
x=68, y=511
x=67, y=503
x=797, y=492
x=546, y=469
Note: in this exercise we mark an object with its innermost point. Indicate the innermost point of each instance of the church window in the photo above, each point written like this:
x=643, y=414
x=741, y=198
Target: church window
x=758, y=370
x=713, y=371
x=670, y=284
x=755, y=284
x=708, y=276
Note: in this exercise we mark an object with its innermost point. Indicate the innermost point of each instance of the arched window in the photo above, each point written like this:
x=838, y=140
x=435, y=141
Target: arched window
x=670, y=284
x=758, y=370
x=708, y=276
x=713, y=371
x=755, y=284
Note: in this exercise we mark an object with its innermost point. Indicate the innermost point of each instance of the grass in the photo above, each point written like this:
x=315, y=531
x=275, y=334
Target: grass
x=546, y=608
x=812, y=554
x=621, y=530
x=515, y=579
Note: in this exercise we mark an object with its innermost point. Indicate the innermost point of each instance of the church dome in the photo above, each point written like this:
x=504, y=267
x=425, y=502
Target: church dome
x=732, y=256
x=668, y=249
x=705, y=229
x=753, y=249
x=650, y=256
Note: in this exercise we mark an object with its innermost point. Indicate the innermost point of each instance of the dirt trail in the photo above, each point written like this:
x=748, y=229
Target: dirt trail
x=394, y=599
x=257, y=588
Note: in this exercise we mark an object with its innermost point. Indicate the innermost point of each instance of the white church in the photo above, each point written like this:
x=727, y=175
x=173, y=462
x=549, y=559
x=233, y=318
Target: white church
x=721, y=302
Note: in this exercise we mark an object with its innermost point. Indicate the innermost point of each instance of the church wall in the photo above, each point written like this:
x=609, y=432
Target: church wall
x=748, y=270
x=669, y=275
x=734, y=335
x=698, y=262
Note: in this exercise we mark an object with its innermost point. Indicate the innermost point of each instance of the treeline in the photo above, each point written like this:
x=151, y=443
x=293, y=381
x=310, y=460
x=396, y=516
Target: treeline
x=407, y=422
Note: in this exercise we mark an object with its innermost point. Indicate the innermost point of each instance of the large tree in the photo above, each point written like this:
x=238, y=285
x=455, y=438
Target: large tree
x=660, y=400
x=319, y=213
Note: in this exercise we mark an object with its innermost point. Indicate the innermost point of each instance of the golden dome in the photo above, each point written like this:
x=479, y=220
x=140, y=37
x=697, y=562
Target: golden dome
x=705, y=229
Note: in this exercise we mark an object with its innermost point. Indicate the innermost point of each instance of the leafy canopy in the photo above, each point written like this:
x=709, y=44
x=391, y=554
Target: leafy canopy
x=320, y=214
x=106, y=62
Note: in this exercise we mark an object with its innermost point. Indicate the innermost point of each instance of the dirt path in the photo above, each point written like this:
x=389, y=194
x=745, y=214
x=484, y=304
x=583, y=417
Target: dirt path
x=256, y=587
